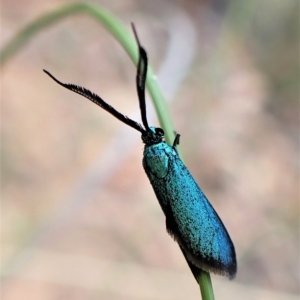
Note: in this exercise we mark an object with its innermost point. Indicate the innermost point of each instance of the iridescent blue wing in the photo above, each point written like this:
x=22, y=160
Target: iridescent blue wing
x=195, y=225
x=190, y=218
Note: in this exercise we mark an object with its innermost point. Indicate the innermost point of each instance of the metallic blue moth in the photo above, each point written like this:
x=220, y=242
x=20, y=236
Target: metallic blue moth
x=190, y=218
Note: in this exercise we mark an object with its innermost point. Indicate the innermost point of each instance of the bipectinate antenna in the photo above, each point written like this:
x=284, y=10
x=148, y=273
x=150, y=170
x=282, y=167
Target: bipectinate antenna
x=141, y=78
x=140, y=85
x=97, y=100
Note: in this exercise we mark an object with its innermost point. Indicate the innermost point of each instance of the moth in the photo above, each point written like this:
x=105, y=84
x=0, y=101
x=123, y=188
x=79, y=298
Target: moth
x=190, y=218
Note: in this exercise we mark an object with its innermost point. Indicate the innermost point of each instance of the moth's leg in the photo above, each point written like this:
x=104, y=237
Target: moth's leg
x=176, y=141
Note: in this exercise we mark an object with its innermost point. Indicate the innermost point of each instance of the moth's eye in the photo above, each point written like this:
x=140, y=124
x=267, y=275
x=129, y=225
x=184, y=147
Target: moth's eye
x=159, y=131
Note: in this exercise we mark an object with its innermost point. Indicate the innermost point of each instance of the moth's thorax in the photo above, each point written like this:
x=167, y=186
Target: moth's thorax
x=156, y=159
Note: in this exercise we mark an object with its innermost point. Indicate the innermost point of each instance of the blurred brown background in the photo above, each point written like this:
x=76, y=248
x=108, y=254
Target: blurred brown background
x=79, y=218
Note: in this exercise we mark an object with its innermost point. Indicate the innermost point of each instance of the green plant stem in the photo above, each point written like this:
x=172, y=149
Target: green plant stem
x=205, y=285
x=116, y=28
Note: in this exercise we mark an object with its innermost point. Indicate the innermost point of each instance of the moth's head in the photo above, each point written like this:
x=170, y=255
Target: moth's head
x=153, y=135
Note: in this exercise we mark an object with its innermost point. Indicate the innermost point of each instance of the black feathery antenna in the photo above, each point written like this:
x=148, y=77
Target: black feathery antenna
x=97, y=100
x=141, y=78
